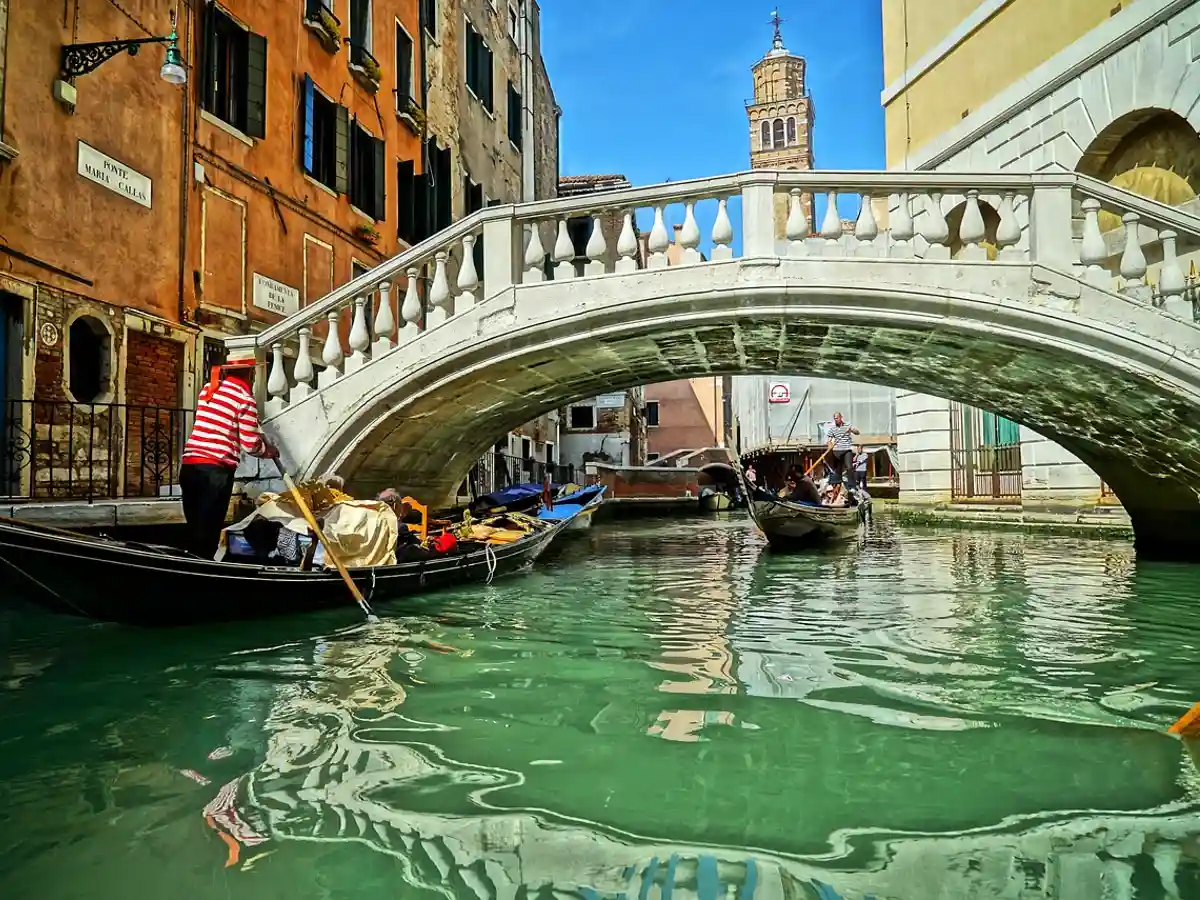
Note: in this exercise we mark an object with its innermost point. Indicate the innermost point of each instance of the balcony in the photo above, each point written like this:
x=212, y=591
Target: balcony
x=365, y=67
x=326, y=27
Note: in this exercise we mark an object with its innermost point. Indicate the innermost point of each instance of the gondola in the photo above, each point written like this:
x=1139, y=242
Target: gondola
x=796, y=526
x=154, y=585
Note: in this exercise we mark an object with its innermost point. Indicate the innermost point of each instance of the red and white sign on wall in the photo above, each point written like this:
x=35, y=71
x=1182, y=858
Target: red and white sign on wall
x=780, y=393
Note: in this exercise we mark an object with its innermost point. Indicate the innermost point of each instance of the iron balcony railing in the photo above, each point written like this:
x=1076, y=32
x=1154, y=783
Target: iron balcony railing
x=497, y=471
x=60, y=450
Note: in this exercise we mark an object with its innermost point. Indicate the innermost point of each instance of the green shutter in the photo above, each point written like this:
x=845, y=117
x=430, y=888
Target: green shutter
x=341, y=161
x=379, y=182
x=256, y=86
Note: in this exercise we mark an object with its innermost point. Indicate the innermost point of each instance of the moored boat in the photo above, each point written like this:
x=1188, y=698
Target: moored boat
x=155, y=585
x=715, y=501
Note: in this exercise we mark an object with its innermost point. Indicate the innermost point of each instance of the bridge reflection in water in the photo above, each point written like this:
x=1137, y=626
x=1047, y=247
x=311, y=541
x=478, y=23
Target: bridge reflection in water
x=345, y=764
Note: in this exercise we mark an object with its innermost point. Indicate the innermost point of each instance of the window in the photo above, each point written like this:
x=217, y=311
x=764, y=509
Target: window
x=766, y=135
x=479, y=67
x=404, y=68
x=326, y=151
x=513, y=21
x=791, y=130
x=777, y=133
x=429, y=14
x=651, y=457
x=366, y=172
x=526, y=448
x=652, y=413
x=440, y=186
x=89, y=352
x=514, y=116
x=412, y=203
x=360, y=24
x=234, y=70
x=357, y=268
x=583, y=417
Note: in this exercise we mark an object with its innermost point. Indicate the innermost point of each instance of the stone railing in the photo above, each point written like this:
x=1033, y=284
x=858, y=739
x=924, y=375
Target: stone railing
x=1047, y=219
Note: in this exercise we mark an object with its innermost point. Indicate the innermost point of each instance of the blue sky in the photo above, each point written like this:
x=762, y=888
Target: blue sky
x=655, y=90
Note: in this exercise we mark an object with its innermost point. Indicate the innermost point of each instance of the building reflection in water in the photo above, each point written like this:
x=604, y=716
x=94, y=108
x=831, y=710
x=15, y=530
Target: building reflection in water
x=343, y=764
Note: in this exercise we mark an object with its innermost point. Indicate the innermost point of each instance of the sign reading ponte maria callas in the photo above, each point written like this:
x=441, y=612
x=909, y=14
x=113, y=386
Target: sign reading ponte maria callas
x=117, y=177
x=780, y=392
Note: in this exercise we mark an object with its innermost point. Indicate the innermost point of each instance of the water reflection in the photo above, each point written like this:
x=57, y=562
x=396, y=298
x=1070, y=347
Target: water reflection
x=679, y=715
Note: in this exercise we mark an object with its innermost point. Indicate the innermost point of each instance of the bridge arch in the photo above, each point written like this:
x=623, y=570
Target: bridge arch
x=1124, y=406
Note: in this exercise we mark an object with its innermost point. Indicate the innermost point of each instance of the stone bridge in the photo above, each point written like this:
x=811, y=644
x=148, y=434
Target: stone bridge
x=1002, y=291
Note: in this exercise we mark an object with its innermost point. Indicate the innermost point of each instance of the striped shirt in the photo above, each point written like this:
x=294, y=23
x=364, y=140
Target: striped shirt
x=226, y=425
x=840, y=435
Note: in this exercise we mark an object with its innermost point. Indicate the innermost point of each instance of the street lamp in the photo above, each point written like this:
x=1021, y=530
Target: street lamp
x=80, y=59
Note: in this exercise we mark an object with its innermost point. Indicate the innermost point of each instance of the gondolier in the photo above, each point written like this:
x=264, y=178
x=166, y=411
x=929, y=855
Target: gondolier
x=226, y=426
x=841, y=450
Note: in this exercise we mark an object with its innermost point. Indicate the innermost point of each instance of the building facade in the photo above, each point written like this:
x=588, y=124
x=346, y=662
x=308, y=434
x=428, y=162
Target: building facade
x=1017, y=85
x=95, y=350
x=145, y=222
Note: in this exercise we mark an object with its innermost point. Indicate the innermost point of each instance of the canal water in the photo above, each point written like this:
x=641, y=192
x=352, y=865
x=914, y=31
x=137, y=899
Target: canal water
x=662, y=710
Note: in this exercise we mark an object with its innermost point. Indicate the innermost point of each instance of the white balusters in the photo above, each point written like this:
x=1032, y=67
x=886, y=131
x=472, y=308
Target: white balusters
x=722, y=233
x=410, y=310
x=866, y=229
x=1133, y=260
x=385, y=322
x=627, y=247
x=1171, y=282
x=901, y=229
x=277, y=383
x=1092, y=249
x=659, y=241
x=1008, y=232
x=797, y=228
x=831, y=228
x=564, y=253
x=332, y=355
x=972, y=231
x=934, y=229
x=360, y=336
x=596, y=250
x=468, y=278
x=535, y=256
x=302, y=372
x=689, y=236
x=440, y=299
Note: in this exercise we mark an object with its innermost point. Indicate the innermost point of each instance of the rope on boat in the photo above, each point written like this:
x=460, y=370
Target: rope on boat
x=492, y=562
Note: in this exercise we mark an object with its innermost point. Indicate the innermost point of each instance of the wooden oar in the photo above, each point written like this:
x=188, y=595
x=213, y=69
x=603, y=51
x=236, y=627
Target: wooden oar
x=1188, y=725
x=330, y=553
x=818, y=462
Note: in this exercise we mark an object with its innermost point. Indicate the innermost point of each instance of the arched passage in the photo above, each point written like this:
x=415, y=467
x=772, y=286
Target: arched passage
x=1089, y=388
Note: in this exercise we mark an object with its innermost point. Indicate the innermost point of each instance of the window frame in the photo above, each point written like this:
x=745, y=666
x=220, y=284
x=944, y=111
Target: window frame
x=376, y=207
x=473, y=35
x=401, y=105
x=339, y=162
x=791, y=132
x=430, y=9
x=765, y=135
x=106, y=383
x=778, y=133
x=369, y=43
x=516, y=116
x=571, y=426
x=243, y=106
x=653, y=404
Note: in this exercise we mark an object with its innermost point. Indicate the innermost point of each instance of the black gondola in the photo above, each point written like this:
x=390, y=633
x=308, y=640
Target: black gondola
x=154, y=585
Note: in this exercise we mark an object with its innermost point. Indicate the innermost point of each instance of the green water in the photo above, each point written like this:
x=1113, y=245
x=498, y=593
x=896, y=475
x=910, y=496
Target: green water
x=662, y=710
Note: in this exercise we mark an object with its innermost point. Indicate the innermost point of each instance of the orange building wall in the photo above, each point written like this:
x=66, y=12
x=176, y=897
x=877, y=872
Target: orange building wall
x=129, y=254
x=256, y=210
x=682, y=419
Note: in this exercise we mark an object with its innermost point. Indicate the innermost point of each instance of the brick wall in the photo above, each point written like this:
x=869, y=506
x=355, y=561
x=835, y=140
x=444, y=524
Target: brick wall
x=154, y=430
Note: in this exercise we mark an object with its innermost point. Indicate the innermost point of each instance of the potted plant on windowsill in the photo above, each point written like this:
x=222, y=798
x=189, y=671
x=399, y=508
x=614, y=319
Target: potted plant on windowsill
x=324, y=26
x=412, y=115
x=367, y=234
x=365, y=69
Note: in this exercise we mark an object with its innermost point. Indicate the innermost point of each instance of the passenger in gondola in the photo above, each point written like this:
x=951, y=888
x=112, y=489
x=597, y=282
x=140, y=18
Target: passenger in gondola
x=800, y=489
x=226, y=426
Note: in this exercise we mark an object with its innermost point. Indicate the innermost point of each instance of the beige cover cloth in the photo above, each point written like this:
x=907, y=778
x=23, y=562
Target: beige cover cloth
x=362, y=533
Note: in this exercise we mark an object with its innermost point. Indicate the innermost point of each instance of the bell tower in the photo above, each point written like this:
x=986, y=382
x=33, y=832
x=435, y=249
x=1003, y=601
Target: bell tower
x=781, y=118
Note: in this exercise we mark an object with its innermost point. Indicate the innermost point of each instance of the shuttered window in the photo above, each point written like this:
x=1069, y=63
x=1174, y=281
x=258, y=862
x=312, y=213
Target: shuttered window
x=514, y=116
x=367, y=177
x=479, y=67
x=412, y=203
x=326, y=149
x=234, y=73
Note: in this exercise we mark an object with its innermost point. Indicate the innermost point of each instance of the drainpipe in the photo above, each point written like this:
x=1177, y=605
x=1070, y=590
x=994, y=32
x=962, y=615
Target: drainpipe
x=186, y=174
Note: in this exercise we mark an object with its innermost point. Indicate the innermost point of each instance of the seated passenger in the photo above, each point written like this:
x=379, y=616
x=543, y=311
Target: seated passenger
x=802, y=491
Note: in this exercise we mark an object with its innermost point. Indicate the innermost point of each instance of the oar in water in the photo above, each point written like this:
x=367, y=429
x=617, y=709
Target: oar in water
x=330, y=553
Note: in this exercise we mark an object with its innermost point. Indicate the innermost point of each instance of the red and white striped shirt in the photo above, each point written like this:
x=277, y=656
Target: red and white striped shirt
x=226, y=425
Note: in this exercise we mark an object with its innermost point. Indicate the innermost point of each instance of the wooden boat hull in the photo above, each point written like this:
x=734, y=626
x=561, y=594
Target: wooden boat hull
x=795, y=526
x=141, y=585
